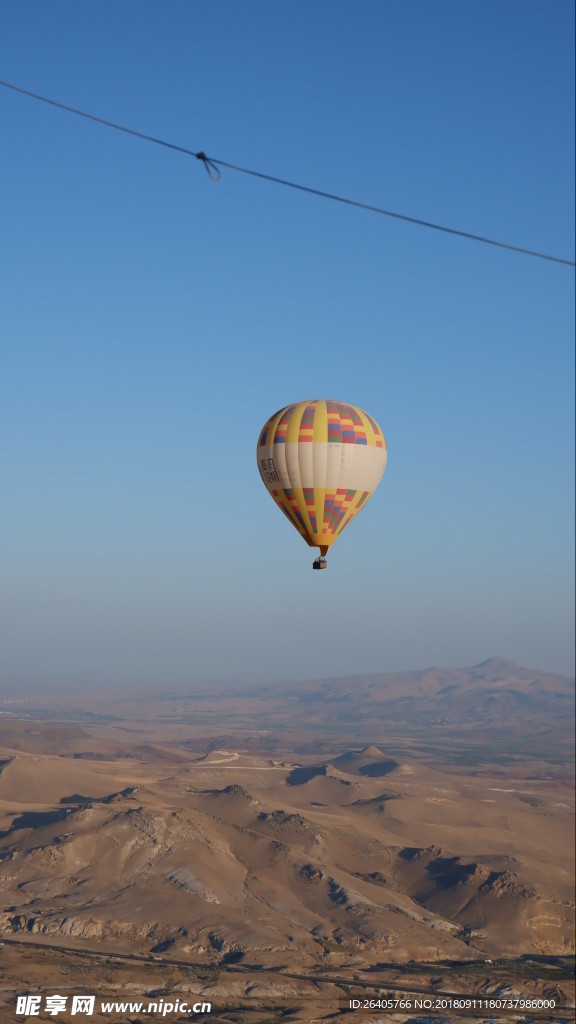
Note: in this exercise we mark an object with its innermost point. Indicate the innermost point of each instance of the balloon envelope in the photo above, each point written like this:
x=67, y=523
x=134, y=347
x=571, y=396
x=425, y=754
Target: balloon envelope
x=321, y=461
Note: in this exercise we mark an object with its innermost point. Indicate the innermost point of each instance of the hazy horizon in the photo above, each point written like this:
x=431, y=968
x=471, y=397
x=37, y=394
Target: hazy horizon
x=135, y=686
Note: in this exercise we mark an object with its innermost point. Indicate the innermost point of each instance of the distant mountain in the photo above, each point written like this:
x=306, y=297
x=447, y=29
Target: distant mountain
x=497, y=691
x=505, y=708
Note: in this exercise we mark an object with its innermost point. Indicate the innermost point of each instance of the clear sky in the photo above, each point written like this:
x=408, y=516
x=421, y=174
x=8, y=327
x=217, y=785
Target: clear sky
x=151, y=321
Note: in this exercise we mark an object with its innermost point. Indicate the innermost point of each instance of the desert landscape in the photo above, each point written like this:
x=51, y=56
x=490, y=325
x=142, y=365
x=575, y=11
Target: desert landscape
x=283, y=851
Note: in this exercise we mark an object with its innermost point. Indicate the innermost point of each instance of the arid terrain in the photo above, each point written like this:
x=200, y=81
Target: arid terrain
x=282, y=850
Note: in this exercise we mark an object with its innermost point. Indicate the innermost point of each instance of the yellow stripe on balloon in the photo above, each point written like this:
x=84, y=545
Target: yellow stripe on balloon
x=320, y=432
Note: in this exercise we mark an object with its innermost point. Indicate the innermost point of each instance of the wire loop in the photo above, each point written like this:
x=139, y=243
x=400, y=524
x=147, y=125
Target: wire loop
x=213, y=172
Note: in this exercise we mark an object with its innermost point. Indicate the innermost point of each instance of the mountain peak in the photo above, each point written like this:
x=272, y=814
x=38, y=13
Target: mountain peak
x=498, y=664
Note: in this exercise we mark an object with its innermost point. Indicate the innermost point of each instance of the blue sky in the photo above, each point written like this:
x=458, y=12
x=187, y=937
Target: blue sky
x=152, y=320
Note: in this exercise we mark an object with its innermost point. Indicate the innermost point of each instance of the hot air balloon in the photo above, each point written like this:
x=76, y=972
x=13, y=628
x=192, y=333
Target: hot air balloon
x=321, y=461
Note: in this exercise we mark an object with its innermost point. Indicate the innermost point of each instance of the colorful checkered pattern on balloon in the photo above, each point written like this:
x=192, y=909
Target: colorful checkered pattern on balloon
x=378, y=435
x=310, y=500
x=282, y=426
x=344, y=425
x=341, y=507
x=287, y=502
x=278, y=435
x=307, y=422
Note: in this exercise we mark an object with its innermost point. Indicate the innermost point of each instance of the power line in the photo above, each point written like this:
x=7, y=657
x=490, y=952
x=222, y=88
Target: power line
x=212, y=169
x=213, y=164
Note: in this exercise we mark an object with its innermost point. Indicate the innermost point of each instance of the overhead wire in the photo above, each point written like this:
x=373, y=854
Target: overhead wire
x=213, y=165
